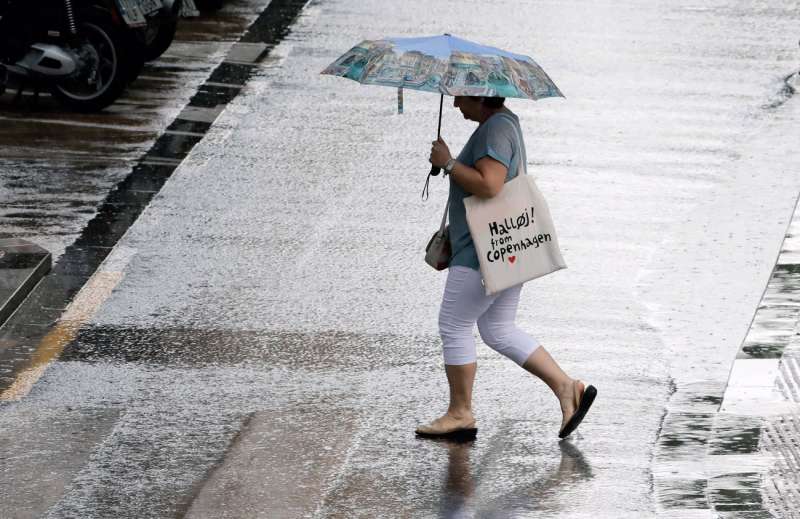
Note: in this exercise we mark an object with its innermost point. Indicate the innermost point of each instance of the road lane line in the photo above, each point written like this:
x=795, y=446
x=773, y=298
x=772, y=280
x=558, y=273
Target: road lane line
x=79, y=311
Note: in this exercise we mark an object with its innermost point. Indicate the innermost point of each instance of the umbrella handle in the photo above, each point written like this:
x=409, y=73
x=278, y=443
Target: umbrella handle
x=435, y=170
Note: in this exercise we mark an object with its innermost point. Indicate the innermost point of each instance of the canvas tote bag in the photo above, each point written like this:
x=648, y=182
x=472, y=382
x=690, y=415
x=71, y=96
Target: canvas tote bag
x=513, y=232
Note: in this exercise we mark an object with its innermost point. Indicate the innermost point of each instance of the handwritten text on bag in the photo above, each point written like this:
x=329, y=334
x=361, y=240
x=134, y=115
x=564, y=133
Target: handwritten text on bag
x=503, y=246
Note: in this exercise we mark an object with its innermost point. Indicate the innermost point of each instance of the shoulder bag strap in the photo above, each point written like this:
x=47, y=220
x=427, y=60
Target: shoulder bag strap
x=522, y=166
x=444, y=216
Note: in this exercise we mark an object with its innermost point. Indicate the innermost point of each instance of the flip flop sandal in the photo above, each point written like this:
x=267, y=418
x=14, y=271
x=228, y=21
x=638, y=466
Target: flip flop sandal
x=587, y=398
x=459, y=435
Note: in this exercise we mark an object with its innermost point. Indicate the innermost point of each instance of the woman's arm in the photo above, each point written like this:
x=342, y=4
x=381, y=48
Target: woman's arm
x=485, y=180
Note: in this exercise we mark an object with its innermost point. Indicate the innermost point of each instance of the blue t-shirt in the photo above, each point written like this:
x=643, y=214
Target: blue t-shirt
x=497, y=138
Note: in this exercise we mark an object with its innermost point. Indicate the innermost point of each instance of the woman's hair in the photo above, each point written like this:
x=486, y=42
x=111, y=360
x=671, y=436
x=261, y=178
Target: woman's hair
x=491, y=102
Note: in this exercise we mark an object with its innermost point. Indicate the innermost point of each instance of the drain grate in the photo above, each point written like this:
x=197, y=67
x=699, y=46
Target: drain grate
x=789, y=379
x=781, y=489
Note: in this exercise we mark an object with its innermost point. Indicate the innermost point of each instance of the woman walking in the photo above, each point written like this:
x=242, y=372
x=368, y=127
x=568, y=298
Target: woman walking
x=490, y=158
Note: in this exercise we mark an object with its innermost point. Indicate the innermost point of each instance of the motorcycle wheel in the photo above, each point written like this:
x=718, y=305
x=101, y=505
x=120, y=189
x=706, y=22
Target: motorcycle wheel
x=160, y=32
x=103, y=77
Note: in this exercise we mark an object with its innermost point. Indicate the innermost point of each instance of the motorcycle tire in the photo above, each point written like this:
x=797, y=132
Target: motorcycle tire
x=160, y=32
x=135, y=41
x=109, y=53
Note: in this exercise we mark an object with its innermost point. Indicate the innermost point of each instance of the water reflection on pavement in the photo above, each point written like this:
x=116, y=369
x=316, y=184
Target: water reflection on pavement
x=461, y=496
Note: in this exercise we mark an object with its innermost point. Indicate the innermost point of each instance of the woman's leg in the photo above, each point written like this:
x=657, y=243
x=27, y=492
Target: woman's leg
x=460, y=379
x=463, y=302
x=499, y=331
x=566, y=389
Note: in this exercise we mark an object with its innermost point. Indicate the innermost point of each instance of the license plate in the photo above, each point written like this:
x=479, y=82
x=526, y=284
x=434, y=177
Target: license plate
x=150, y=6
x=132, y=13
x=188, y=9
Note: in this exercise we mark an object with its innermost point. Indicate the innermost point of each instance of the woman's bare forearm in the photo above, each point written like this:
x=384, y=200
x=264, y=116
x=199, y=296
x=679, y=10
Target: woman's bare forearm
x=475, y=182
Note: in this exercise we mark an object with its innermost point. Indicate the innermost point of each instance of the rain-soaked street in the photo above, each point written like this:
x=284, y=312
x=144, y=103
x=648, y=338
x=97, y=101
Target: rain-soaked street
x=261, y=341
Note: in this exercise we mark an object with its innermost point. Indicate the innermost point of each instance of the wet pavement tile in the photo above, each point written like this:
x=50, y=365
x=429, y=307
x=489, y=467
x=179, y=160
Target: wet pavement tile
x=735, y=435
x=173, y=146
x=683, y=494
x=275, y=462
x=146, y=177
x=231, y=73
x=683, y=433
x=736, y=492
x=41, y=451
x=150, y=464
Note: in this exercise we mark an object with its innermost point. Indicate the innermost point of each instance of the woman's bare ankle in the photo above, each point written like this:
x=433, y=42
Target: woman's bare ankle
x=565, y=389
x=460, y=415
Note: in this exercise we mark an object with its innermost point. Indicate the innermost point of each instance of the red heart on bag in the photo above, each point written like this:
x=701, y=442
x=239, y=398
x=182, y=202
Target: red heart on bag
x=511, y=259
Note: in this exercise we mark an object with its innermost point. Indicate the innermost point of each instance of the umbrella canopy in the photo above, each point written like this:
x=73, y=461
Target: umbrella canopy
x=444, y=64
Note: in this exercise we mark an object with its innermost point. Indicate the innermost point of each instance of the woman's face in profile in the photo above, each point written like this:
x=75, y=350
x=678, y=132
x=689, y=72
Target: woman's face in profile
x=470, y=108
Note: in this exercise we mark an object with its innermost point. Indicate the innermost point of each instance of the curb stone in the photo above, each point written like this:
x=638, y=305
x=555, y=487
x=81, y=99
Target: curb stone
x=22, y=265
x=733, y=449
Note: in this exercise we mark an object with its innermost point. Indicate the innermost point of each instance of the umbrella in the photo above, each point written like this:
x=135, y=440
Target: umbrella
x=444, y=64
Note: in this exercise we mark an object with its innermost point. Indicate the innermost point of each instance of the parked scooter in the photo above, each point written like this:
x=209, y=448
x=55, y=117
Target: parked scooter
x=80, y=50
x=161, y=18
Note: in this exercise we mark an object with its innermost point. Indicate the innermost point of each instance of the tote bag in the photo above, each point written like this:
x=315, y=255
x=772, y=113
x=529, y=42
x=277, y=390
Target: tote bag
x=513, y=232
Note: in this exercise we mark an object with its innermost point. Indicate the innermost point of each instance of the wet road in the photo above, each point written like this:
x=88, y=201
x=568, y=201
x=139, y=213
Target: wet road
x=262, y=341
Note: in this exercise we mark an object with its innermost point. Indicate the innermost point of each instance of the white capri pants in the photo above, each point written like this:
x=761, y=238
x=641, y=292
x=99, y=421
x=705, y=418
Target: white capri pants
x=465, y=302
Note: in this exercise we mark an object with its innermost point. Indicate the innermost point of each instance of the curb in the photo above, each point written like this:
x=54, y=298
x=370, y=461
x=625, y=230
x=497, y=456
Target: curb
x=732, y=450
x=765, y=379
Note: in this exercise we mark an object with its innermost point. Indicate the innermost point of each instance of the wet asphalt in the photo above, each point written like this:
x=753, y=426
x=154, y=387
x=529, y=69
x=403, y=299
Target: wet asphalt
x=262, y=340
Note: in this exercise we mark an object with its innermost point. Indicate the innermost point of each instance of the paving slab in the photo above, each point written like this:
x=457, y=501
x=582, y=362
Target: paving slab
x=278, y=467
x=42, y=450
